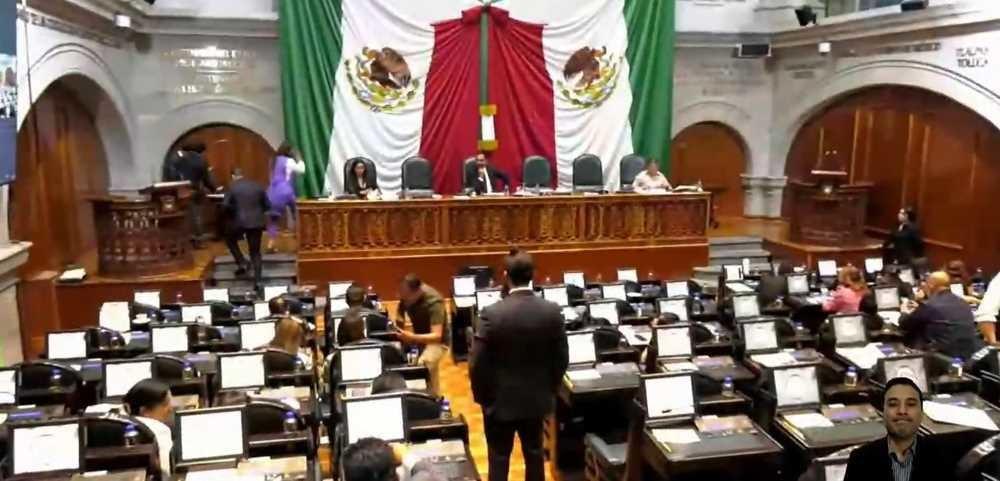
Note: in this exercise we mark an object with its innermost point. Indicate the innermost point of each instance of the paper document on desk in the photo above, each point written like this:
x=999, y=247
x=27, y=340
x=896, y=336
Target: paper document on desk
x=223, y=475
x=631, y=336
x=835, y=472
x=774, y=360
x=583, y=375
x=676, y=436
x=890, y=317
x=809, y=420
x=680, y=366
x=462, y=302
x=864, y=357
x=962, y=416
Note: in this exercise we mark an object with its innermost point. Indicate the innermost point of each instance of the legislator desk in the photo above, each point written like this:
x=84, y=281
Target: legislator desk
x=381, y=241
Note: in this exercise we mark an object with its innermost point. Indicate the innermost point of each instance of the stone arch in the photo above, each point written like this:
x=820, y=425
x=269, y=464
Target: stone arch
x=726, y=114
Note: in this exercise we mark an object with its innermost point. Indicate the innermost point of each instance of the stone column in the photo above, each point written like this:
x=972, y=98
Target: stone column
x=763, y=195
x=12, y=256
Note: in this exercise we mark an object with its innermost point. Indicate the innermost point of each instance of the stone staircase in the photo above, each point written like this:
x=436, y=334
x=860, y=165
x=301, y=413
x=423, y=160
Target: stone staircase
x=278, y=269
x=730, y=251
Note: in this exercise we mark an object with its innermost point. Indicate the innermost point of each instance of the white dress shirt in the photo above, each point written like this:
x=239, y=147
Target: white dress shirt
x=164, y=442
x=644, y=181
x=485, y=175
x=988, y=308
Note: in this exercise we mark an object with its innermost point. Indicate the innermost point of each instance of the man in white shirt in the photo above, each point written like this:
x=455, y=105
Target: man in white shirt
x=651, y=178
x=986, y=314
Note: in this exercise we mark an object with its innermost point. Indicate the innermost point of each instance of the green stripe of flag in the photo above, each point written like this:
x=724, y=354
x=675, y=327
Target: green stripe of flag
x=650, y=56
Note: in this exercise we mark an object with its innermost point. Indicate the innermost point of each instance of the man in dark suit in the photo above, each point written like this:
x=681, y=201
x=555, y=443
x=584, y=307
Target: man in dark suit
x=481, y=177
x=901, y=455
x=188, y=163
x=246, y=205
x=944, y=322
x=519, y=357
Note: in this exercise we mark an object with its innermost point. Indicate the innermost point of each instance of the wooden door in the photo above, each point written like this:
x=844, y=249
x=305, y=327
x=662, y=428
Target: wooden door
x=714, y=154
x=228, y=147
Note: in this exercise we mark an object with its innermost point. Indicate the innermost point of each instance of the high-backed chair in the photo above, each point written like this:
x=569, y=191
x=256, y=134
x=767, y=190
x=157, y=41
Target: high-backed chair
x=468, y=172
x=588, y=174
x=371, y=175
x=630, y=166
x=536, y=172
x=47, y=383
x=170, y=369
x=417, y=177
x=283, y=369
x=267, y=417
x=421, y=406
x=109, y=432
x=375, y=322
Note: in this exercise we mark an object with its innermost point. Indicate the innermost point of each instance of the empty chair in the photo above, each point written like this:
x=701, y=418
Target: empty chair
x=46, y=383
x=171, y=370
x=417, y=177
x=630, y=166
x=370, y=174
x=588, y=174
x=375, y=322
x=284, y=369
x=266, y=418
x=421, y=406
x=536, y=172
x=468, y=172
x=109, y=432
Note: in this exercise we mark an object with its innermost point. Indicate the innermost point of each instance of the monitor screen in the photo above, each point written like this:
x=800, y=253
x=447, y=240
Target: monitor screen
x=8, y=386
x=487, y=298
x=733, y=272
x=760, y=336
x=261, y=310
x=360, y=364
x=217, y=294
x=197, y=314
x=463, y=285
x=115, y=316
x=574, y=279
x=169, y=338
x=795, y=386
x=745, y=306
x=958, y=289
x=581, y=347
x=556, y=294
x=338, y=289
x=849, y=330
x=338, y=304
x=604, y=310
x=149, y=298
x=211, y=434
x=908, y=367
x=270, y=292
x=47, y=448
x=874, y=265
x=673, y=341
x=906, y=275
x=627, y=274
x=614, y=291
x=380, y=417
x=569, y=313
x=678, y=289
x=669, y=395
x=119, y=377
x=67, y=345
x=677, y=306
x=827, y=268
x=241, y=370
x=798, y=284
x=255, y=335
x=887, y=298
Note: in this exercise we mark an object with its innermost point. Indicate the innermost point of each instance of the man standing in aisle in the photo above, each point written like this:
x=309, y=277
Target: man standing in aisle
x=423, y=305
x=519, y=357
x=246, y=207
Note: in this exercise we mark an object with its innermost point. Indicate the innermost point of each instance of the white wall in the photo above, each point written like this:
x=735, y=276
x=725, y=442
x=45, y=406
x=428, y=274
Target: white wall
x=216, y=8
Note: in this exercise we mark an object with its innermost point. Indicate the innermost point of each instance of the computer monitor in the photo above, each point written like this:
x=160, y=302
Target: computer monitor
x=66, y=344
x=197, y=314
x=241, y=370
x=760, y=336
x=256, y=334
x=874, y=265
x=149, y=298
x=215, y=434
x=827, y=268
x=798, y=284
x=359, y=363
x=8, y=386
x=463, y=286
x=121, y=375
x=338, y=304
x=614, y=291
x=337, y=289
x=678, y=289
x=569, y=313
x=668, y=395
x=958, y=289
x=674, y=341
x=796, y=385
x=673, y=305
x=887, y=298
x=912, y=366
x=733, y=272
x=556, y=294
x=217, y=294
x=627, y=274
x=604, y=310
x=381, y=417
x=168, y=338
x=849, y=329
x=48, y=447
x=115, y=316
x=745, y=305
x=581, y=347
x=272, y=291
x=906, y=275
x=487, y=297
x=574, y=279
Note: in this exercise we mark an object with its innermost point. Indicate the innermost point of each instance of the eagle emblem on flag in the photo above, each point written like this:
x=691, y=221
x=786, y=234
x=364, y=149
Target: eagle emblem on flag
x=381, y=80
x=589, y=77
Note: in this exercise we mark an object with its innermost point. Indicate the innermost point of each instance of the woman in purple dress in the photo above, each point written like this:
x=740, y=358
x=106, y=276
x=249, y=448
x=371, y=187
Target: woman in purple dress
x=281, y=192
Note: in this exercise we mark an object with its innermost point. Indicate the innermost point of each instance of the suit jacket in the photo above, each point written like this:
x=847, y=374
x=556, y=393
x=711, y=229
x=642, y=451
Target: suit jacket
x=190, y=166
x=472, y=180
x=905, y=244
x=933, y=461
x=944, y=323
x=247, y=205
x=519, y=357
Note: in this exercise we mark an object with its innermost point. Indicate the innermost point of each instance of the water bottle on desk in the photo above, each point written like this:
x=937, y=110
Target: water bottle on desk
x=445, y=409
x=696, y=306
x=979, y=282
x=851, y=378
x=131, y=435
x=412, y=356
x=188, y=371
x=956, y=369
x=728, y=389
x=291, y=424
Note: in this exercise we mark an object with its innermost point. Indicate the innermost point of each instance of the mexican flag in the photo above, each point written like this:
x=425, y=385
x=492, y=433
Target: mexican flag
x=392, y=79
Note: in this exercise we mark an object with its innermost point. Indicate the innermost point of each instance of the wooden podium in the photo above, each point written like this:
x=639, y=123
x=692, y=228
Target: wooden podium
x=826, y=213
x=144, y=235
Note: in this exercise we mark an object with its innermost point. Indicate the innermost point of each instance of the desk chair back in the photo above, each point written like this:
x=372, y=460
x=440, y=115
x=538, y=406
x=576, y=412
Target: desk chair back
x=536, y=172
x=37, y=383
x=421, y=406
x=468, y=169
x=371, y=176
x=417, y=174
x=630, y=166
x=588, y=173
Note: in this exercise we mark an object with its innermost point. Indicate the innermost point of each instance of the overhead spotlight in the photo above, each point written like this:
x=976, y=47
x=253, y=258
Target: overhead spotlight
x=806, y=15
x=911, y=5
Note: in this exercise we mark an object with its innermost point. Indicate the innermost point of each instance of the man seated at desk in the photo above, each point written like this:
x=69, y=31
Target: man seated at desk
x=942, y=322
x=480, y=177
x=149, y=402
x=372, y=459
x=651, y=179
x=352, y=328
x=900, y=456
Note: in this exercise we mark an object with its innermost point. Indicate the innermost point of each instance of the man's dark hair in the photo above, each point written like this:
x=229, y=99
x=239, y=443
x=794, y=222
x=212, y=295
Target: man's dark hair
x=911, y=214
x=147, y=393
x=905, y=381
x=369, y=459
x=278, y=306
x=520, y=268
x=355, y=295
x=412, y=282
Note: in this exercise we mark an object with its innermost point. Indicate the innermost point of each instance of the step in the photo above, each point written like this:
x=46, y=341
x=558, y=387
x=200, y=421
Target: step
x=267, y=272
x=268, y=266
x=739, y=253
x=247, y=284
x=738, y=261
x=276, y=257
x=734, y=242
